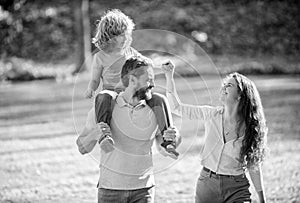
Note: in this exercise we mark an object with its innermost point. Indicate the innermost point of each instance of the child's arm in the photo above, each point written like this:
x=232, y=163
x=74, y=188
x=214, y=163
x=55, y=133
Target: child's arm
x=95, y=78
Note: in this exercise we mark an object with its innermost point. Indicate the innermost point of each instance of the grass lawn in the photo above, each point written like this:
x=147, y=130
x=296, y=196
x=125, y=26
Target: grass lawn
x=39, y=161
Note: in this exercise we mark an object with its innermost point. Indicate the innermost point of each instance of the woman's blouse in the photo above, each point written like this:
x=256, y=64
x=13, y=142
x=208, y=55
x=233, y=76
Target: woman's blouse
x=217, y=155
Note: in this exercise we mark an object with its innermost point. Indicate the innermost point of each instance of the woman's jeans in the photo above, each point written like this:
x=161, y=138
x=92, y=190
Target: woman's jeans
x=215, y=188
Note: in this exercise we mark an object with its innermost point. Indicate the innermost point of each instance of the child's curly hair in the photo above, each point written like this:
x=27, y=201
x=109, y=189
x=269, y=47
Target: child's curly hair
x=112, y=24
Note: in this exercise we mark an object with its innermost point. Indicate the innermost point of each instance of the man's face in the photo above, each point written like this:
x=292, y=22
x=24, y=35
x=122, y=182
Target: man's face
x=144, y=84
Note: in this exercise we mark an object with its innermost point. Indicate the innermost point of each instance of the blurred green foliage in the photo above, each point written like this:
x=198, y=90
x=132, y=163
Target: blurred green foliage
x=39, y=30
x=43, y=30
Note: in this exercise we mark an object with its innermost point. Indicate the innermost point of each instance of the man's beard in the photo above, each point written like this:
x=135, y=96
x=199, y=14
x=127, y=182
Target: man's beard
x=143, y=93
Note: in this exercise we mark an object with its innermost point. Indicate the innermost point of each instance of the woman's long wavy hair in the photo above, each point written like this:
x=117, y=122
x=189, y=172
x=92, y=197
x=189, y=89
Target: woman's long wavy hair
x=112, y=24
x=251, y=120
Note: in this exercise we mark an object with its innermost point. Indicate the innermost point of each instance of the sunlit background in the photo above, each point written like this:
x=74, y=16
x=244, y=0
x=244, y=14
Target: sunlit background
x=45, y=52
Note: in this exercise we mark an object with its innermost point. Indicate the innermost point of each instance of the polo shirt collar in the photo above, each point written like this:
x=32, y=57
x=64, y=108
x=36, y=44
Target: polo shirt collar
x=122, y=103
x=220, y=109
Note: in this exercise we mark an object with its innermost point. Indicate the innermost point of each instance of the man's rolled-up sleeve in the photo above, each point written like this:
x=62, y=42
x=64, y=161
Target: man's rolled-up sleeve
x=90, y=134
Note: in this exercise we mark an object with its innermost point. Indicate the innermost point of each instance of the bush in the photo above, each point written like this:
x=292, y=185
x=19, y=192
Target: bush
x=43, y=30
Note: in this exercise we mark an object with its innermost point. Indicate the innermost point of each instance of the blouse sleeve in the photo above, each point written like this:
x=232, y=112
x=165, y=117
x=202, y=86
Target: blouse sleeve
x=199, y=112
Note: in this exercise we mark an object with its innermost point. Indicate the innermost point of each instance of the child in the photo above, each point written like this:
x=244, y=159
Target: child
x=113, y=39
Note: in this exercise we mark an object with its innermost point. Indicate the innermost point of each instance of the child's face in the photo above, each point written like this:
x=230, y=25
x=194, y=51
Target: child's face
x=125, y=39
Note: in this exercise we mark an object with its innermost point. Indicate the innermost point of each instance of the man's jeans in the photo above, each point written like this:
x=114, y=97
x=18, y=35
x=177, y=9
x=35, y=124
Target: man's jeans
x=144, y=195
x=213, y=188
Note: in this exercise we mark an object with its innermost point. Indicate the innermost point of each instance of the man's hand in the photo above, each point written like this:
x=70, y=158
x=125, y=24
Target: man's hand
x=89, y=93
x=106, y=142
x=169, y=137
x=168, y=68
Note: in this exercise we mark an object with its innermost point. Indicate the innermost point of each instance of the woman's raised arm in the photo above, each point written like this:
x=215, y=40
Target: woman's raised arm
x=199, y=112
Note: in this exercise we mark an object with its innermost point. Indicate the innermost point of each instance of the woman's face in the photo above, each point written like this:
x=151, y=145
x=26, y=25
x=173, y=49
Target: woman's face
x=229, y=91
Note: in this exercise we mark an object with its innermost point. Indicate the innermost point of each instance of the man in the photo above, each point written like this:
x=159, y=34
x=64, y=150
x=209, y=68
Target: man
x=126, y=166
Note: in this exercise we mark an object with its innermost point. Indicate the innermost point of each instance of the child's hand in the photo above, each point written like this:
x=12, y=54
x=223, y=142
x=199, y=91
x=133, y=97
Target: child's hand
x=168, y=68
x=89, y=93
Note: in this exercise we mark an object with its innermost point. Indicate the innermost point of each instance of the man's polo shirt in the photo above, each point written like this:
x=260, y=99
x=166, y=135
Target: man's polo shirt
x=129, y=166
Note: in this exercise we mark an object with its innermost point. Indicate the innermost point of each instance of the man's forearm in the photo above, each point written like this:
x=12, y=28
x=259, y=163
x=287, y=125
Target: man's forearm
x=83, y=149
x=87, y=140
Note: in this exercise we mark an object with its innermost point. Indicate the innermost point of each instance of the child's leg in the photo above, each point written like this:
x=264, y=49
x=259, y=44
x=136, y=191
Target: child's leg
x=103, y=109
x=103, y=113
x=158, y=104
x=161, y=109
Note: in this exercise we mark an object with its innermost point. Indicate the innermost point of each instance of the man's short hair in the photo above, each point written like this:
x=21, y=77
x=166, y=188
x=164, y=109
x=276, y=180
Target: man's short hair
x=133, y=66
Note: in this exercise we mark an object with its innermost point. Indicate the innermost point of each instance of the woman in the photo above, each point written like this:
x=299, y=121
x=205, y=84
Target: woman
x=235, y=139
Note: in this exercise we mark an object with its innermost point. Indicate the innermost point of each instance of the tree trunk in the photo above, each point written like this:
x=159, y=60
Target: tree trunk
x=86, y=33
x=82, y=35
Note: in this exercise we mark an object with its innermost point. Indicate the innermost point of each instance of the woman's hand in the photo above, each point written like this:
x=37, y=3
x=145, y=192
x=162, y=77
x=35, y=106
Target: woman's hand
x=168, y=68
